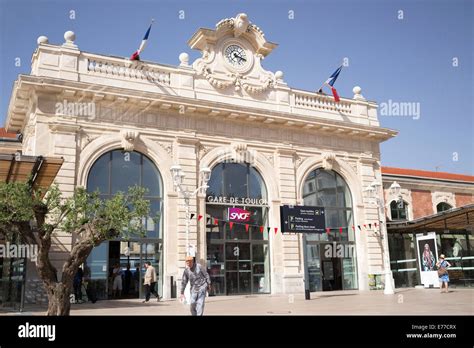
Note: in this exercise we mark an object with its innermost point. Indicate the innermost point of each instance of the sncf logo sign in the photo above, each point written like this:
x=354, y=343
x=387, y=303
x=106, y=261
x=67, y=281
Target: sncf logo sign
x=239, y=215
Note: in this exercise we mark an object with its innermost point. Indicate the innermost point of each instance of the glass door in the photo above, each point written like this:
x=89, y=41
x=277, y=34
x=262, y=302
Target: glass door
x=314, y=267
x=130, y=263
x=331, y=269
x=238, y=268
x=152, y=251
x=215, y=268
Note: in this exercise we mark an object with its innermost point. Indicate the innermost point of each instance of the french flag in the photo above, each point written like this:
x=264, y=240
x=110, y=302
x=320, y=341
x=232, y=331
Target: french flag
x=330, y=83
x=136, y=55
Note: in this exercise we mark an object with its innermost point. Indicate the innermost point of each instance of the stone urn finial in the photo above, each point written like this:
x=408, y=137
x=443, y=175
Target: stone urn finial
x=69, y=36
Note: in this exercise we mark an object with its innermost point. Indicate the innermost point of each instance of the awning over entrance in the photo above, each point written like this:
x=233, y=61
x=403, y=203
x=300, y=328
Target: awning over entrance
x=39, y=171
x=461, y=218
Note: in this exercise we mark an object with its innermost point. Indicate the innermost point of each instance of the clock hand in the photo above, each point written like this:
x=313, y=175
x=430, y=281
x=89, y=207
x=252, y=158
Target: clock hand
x=239, y=56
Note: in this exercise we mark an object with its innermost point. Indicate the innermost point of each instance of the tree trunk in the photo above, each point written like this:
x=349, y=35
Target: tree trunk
x=59, y=299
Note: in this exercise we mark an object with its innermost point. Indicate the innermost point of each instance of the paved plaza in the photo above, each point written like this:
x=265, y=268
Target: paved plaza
x=404, y=302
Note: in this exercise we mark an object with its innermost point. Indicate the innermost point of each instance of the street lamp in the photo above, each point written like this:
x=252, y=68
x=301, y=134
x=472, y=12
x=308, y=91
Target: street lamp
x=374, y=194
x=178, y=180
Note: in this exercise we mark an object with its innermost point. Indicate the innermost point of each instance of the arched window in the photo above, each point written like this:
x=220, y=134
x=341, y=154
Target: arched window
x=331, y=265
x=237, y=235
x=443, y=206
x=326, y=188
x=117, y=171
x=399, y=210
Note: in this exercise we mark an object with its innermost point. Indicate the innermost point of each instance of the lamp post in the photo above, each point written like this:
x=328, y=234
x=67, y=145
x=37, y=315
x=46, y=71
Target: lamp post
x=178, y=179
x=373, y=192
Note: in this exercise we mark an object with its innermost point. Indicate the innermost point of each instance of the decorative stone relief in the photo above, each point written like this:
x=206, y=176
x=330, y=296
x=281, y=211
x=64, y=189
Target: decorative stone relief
x=223, y=81
x=297, y=160
x=270, y=158
x=443, y=197
x=168, y=147
x=128, y=139
x=239, y=147
x=241, y=154
x=354, y=167
x=329, y=158
x=85, y=139
x=213, y=66
x=202, y=150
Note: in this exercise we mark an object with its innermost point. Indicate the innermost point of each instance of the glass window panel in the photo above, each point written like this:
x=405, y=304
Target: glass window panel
x=231, y=265
x=151, y=178
x=153, y=222
x=215, y=229
x=313, y=236
x=257, y=187
x=235, y=180
x=216, y=182
x=311, y=200
x=349, y=280
x=443, y=206
x=245, y=282
x=310, y=185
x=125, y=171
x=454, y=246
x=231, y=251
x=258, y=253
x=98, y=178
x=398, y=210
x=232, y=283
x=244, y=266
x=97, y=262
x=237, y=232
x=258, y=268
x=261, y=284
x=333, y=218
x=314, y=267
x=217, y=286
x=343, y=194
x=471, y=244
x=244, y=251
x=215, y=253
x=326, y=198
x=258, y=218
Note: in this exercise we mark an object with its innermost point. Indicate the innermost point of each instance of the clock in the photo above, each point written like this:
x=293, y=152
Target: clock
x=236, y=56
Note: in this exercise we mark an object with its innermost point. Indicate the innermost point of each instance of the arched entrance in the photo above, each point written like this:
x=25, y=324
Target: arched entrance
x=116, y=171
x=331, y=258
x=238, y=259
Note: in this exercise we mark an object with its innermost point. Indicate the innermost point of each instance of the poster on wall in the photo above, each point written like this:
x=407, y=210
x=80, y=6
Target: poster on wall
x=427, y=254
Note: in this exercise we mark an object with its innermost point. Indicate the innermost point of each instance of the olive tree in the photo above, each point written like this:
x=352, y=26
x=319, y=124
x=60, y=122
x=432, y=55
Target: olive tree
x=35, y=216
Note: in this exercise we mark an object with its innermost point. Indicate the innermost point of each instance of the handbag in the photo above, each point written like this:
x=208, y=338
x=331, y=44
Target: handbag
x=442, y=271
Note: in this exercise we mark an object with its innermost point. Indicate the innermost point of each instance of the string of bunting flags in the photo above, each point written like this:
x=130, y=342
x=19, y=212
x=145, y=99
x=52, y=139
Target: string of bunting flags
x=261, y=228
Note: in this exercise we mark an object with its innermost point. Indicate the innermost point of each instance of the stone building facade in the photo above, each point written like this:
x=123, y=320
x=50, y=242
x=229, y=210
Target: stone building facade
x=218, y=109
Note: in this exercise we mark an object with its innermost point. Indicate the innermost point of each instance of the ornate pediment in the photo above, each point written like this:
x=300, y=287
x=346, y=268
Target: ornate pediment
x=232, y=55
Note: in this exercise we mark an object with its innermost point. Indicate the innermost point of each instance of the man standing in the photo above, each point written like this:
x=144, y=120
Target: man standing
x=150, y=282
x=117, y=280
x=199, y=281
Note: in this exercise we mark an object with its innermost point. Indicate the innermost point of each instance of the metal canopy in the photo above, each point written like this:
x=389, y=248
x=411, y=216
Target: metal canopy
x=461, y=218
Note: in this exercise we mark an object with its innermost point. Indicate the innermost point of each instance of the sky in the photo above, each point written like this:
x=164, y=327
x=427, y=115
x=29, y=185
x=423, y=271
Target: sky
x=417, y=53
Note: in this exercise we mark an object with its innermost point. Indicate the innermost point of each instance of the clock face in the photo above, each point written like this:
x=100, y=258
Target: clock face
x=236, y=56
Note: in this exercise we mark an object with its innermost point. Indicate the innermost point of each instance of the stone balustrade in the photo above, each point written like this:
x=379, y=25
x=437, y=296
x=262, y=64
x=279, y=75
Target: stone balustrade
x=69, y=63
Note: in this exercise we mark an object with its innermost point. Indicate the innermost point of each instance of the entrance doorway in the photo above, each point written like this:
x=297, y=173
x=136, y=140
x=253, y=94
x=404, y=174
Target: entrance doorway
x=331, y=272
x=238, y=267
x=130, y=256
x=331, y=266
